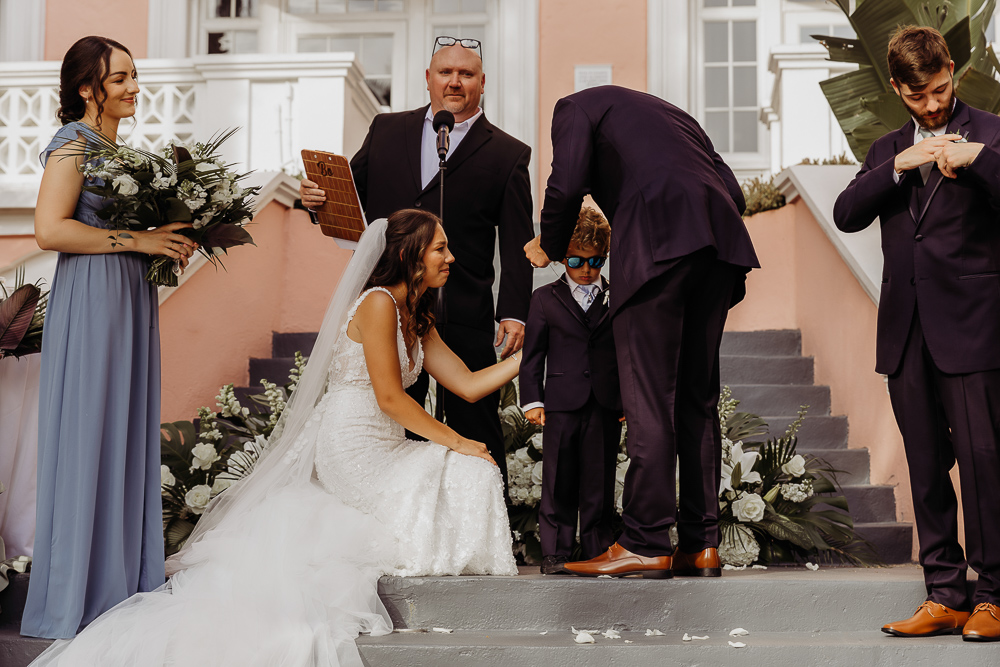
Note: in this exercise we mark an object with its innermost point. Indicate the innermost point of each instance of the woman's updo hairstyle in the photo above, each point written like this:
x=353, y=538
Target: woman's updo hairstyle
x=407, y=235
x=86, y=64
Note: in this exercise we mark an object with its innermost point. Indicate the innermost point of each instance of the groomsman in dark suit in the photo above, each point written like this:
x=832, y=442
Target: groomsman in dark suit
x=678, y=262
x=488, y=194
x=569, y=385
x=934, y=185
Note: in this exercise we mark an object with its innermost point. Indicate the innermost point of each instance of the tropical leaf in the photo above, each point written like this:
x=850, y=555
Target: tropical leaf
x=979, y=90
x=781, y=528
x=959, y=40
x=844, y=93
x=888, y=108
x=176, y=441
x=874, y=23
x=844, y=50
x=743, y=425
x=226, y=236
x=16, y=313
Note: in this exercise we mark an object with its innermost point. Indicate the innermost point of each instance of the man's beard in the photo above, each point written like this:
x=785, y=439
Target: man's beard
x=940, y=121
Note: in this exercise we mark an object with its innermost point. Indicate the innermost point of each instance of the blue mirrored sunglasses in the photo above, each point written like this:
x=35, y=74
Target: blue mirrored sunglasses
x=577, y=262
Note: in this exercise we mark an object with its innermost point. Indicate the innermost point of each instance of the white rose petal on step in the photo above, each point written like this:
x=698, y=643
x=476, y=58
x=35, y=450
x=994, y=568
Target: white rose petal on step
x=544, y=633
x=197, y=498
x=611, y=633
x=628, y=641
x=446, y=631
x=796, y=467
x=653, y=633
x=686, y=637
x=749, y=508
x=737, y=644
x=739, y=632
x=699, y=638
x=812, y=566
x=584, y=638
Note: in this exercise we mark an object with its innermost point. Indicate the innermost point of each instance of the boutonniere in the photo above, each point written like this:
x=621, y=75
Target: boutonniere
x=963, y=140
x=607, y=295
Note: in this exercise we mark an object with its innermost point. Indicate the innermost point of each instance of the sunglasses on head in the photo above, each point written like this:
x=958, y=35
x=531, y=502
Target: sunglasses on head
x=468, y=43
x=577, y=262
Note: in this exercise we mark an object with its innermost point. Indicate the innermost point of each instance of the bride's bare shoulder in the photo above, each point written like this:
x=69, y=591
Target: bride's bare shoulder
x=376, y=312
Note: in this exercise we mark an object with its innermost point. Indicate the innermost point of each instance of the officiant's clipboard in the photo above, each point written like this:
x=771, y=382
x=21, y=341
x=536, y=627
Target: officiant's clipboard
x=340, y=216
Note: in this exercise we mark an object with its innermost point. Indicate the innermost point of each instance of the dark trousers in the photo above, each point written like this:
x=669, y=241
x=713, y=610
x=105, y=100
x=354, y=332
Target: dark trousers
x=480, y=420
x=578, y=477
x=943, y=419
x=667, y=337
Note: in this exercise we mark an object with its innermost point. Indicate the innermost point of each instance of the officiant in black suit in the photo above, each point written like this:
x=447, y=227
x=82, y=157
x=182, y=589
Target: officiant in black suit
x=488, y=195
x=679, y=257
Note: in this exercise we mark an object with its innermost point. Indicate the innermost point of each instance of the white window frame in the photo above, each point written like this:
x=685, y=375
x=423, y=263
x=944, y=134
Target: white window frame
x=209, y=23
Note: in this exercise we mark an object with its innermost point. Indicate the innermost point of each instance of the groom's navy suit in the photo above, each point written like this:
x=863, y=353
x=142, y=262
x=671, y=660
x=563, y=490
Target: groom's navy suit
x=487, y=195
x=678, y=260
x=569, y=364
x=939, y=342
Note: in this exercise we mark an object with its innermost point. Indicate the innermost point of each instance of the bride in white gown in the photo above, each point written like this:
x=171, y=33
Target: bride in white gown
x=282, y=570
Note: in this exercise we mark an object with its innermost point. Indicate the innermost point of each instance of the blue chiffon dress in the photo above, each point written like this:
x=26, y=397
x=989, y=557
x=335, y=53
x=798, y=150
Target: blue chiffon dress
x=99, y=533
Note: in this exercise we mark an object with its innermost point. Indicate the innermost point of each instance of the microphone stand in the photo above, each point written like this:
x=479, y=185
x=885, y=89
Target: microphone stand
x=440, y=307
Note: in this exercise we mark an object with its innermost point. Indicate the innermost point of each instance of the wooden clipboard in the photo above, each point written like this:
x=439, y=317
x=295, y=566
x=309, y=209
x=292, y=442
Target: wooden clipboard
x=340, y=216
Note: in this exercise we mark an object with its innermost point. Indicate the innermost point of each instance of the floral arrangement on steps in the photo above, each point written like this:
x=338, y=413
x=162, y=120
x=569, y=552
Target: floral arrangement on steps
x=200, y=462
x=775, y=505
x=22, y=316
x=771, y=498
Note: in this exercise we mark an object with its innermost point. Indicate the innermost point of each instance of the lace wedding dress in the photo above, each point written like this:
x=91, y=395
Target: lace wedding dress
x=292, y=581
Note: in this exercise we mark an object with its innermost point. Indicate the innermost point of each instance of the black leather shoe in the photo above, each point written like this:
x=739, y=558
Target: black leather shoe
x=554, y=565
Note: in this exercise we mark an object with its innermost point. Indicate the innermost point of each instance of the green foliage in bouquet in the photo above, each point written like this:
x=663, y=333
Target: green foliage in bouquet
x=22, y=316
x=523, y=448
x=147, y=190
x=775, y=504
x=199, y=463
x=863, y=100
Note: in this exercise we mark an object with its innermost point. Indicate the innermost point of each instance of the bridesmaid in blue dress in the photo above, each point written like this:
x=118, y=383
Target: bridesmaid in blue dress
x=99, y=536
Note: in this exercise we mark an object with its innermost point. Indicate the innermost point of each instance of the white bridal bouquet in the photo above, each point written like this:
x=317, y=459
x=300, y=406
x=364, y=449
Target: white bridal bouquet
x=178, y=184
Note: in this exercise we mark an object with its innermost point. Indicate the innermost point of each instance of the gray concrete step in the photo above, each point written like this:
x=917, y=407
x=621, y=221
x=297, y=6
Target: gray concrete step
x=557, y=649
x=870, y=503
x=776, y=342
x=744, y=369
x=777, y=399
x=779, y=599
x=18, y=651
x=853, y=462
x=821, y=432
x=287, y=344
x=273, y=369
x=893, y=541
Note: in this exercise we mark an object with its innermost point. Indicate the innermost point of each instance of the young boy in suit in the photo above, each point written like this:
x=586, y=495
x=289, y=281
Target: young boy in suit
x=569, y=385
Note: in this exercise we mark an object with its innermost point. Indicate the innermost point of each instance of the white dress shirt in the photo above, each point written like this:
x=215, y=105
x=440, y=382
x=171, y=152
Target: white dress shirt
x=429, y=159
x=925, y=169
x=578, y=296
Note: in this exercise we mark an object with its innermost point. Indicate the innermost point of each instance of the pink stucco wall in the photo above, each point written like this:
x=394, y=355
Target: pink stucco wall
x=584, y=32
x=805, y=284
x=218, y=319
x=14, y=248
x=125, y=21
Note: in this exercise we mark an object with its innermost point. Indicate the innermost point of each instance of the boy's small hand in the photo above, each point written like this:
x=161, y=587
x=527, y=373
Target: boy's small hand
x=536, y=416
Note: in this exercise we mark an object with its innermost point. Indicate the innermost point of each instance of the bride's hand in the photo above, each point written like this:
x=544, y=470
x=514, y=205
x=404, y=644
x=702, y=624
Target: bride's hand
x=473, y=448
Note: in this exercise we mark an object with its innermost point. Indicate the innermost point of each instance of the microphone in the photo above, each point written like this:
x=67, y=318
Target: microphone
x=444, y=121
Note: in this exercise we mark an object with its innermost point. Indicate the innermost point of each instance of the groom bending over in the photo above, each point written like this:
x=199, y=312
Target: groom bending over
x=678, y=261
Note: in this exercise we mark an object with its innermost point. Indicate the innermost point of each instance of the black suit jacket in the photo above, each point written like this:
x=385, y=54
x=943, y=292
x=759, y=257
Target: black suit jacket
x=578, y=346
x=655, y=175
x=486, y=191
x=943, y=260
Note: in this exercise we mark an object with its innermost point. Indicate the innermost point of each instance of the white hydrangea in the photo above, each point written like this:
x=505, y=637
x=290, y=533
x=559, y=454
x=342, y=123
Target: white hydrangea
x=738, y=546
x=197, y=498
x=797, y=493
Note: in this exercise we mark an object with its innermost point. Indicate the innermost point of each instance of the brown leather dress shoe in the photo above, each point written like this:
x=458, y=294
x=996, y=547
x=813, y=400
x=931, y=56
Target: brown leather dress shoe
x=618, y=561
x=702, y=564
x=931, y=619
x=984, y=624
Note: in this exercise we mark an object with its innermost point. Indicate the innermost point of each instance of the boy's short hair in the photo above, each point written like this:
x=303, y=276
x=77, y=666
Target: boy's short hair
x=915, y=55
x=592, y=231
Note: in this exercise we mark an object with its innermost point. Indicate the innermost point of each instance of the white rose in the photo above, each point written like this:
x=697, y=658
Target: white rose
x=220, y=485
x=749, y=507
x=203, y=456
x=523, y=456
x=197, y=498
x=522, y=494
x=166, y=477
x=536, y=493
x=125, y=185
x=536, y=440
x=536, y=474
x=796, y=467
